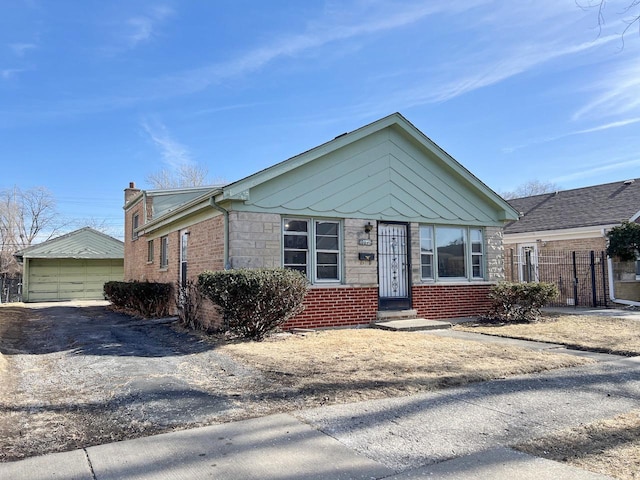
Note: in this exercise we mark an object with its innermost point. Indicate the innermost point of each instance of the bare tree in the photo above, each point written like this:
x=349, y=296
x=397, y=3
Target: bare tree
x=186, y=175
x=530, y=188
x=630, y=11
x=25, y=215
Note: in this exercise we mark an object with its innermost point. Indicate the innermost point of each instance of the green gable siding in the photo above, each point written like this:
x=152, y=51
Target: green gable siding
x=385, y=175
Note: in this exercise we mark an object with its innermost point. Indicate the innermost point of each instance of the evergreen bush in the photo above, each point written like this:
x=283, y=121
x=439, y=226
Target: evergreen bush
x=146, y=299
x=255, y=302
x=520, y=302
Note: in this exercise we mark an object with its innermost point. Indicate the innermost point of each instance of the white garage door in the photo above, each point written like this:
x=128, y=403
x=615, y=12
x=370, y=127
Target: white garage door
x=70, y=279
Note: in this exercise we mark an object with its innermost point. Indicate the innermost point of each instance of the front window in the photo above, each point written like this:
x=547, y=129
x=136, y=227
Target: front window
x=296, y=245
x=164, y=252
x=327, y=250
x=477, y=253
x=450, y=247
x=426, y=252
x=313, y=248
x=450, y=253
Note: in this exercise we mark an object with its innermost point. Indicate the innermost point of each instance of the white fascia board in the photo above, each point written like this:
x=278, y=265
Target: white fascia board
x=596, y=231
x=635, y=217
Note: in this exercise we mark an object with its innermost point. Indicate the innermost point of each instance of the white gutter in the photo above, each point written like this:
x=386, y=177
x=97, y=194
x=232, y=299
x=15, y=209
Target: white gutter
x=612, y=290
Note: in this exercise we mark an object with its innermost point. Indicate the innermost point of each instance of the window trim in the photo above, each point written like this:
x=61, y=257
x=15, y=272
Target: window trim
x=468, y=254
x=312, y=250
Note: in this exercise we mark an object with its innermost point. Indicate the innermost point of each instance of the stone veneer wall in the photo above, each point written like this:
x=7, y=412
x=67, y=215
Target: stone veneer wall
x=255, y=240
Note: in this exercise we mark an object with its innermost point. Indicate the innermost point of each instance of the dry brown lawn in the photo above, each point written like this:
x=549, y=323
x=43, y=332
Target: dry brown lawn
x=348, y=365
x=604, y=334
x=610, y=447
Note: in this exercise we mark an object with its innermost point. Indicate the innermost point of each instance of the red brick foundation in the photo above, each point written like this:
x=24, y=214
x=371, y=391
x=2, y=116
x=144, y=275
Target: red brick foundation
x=353, y=306
x=436, y=302
x=336, y=307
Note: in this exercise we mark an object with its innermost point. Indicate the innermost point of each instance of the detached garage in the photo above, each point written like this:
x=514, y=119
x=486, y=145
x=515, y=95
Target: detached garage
x=74, y=266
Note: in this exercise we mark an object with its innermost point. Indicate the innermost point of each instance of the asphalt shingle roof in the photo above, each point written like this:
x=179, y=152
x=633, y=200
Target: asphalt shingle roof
x=606, y=204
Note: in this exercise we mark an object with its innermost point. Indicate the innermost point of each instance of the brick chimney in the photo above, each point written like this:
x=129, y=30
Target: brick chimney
x=130, y=192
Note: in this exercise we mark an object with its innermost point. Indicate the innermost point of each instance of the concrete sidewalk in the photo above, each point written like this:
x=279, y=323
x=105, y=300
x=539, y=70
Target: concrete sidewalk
x=458, y=433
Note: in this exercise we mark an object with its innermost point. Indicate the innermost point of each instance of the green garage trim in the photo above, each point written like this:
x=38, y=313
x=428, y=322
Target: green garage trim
x=70, y=279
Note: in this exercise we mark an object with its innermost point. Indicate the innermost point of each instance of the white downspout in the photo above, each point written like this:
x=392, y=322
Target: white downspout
x=612, y=290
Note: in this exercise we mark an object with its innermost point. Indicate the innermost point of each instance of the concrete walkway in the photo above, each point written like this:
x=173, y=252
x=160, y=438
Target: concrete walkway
x=458, y=433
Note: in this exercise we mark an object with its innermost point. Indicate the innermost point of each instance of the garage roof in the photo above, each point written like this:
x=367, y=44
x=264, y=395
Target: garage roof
x=85, y=243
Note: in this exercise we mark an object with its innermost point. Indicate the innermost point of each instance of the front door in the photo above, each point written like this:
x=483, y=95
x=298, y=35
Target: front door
x=394, y=287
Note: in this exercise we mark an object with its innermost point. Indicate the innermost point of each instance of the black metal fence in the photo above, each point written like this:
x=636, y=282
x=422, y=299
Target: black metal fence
x=10, y=289
x=581, y=276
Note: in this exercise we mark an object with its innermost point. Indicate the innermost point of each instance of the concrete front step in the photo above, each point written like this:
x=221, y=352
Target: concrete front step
x=386, y=315
x=411, y=325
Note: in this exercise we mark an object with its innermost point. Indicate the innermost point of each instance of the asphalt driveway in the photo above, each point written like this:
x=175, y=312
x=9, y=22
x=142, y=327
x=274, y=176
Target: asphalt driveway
x=85, y=376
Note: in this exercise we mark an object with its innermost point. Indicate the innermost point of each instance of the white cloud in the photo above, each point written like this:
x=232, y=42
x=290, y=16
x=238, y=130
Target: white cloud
x=617, y=91
x=173, y=153
x=598, y=128
x=329, y=29
x=142, y=28
x=599, y=170
x=20, y=49
x=487, y=72
x=9, y=73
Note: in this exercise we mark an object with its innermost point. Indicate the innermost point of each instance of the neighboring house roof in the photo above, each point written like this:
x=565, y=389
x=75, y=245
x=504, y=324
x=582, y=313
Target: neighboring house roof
x=387, y=169
x=85, y=243
x=607, y=204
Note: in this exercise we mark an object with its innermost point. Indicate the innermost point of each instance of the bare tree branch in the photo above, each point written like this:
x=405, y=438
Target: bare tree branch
x=632, y=8
x=530, y=188
x=25, y=215
x=186, y=175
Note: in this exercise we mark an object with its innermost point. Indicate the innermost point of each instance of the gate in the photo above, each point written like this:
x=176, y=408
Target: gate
x=581, y=276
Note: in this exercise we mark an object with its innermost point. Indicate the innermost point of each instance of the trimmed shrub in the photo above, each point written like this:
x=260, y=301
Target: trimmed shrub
x=520, y=302
x=254, y=303
x=146, y=299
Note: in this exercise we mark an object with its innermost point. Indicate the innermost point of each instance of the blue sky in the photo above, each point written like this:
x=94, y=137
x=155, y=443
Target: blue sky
x=96, y=94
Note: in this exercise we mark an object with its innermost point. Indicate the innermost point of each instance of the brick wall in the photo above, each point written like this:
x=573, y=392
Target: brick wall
x=596, y=244
x=512, y=251
x=440, y=301
x=133, y=255
x=337, y=307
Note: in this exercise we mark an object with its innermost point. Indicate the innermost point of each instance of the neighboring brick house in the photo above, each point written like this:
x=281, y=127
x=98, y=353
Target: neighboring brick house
x=554, y=224
x=379, y=219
